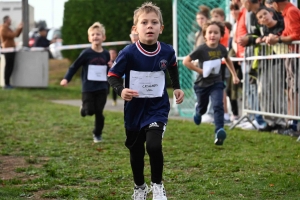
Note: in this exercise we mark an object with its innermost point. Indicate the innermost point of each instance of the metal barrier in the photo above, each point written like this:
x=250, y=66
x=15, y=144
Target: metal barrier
x=271, y=83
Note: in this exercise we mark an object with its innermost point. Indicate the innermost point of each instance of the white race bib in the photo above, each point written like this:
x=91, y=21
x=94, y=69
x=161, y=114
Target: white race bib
x=147, y=84
x=211, y=67
x=97, y=73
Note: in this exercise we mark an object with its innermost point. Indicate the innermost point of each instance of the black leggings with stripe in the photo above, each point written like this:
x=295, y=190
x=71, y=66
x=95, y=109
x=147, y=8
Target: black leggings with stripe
x=151, y=134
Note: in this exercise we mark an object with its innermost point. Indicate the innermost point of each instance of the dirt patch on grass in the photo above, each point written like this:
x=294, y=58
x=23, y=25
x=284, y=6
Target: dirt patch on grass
x=38, y=195
x=9, y=164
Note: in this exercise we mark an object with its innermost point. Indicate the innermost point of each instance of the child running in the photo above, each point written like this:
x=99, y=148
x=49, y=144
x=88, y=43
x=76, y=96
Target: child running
x=94, y=62
x=209, y=81
x=147, y=105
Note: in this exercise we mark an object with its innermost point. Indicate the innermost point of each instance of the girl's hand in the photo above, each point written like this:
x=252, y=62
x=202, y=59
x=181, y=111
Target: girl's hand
x=258, y=40
x=179, y=95
x=128, y=94
x=235, y=80
x=64, y=82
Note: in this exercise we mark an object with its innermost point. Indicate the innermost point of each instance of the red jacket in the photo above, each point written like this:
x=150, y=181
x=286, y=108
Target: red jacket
x=241, y=30
x=291, y=17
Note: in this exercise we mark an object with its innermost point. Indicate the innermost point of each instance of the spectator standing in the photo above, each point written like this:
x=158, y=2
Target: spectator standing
x=249, y=41
x=202, y=17
x=232, y=89
x=147, y=103
x=291, y=32
x=113, y=55
x=134, y=37
x=94, y=62
x=270, y=84
x=42, y=41
x=7, y=36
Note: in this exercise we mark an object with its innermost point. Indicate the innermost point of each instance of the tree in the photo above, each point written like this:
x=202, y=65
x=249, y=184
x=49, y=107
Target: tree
x=115, y=15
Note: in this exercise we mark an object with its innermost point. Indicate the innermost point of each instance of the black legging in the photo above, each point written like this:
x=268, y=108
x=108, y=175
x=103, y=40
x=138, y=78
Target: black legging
x=93, y=103
x=135, y=143
x=9, y=66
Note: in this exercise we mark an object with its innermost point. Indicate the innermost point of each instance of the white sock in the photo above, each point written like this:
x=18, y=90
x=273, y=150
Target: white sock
x=141, y=186
x=226, y=116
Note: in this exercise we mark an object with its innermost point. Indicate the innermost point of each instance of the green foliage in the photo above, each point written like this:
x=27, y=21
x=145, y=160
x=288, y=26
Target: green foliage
x=115, y=15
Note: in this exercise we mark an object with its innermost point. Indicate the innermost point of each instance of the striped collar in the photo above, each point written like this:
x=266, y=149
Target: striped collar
x=147, y=53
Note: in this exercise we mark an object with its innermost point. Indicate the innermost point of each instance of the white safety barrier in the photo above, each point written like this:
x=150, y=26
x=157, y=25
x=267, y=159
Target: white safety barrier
x=63, y=47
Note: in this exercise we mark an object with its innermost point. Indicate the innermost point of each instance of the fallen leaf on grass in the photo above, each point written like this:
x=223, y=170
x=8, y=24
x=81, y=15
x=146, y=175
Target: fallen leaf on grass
x=271, y=185
x=99, y=149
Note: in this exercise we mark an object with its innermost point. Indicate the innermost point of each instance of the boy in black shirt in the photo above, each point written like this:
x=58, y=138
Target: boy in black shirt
x=271, y=73
x=265, y=17
x=94, y=62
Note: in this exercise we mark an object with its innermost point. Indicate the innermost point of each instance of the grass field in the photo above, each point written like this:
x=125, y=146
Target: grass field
x=46, y=152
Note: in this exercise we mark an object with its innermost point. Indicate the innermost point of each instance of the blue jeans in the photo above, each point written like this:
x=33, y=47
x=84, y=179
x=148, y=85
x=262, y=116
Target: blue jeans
x=215, y=91
x=253, y=101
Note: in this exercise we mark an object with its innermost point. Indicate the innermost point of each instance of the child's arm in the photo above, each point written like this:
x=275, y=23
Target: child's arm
x=174, y=76
x=187, y=61
x=125, y=93
x=115, y=76
x=230, y=66
x=72, y=70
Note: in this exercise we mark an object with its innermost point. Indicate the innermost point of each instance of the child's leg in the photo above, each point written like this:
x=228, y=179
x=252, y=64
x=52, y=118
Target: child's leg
x=88, y=103
x=202, y=94
x=100, y=101
x=216, y=94
x=135, y=143
x=154, y=135
x=226, y=114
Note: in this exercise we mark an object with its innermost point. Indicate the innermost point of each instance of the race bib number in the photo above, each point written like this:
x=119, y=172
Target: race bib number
x=97, y=73
x=211, y=67
x=147, y=84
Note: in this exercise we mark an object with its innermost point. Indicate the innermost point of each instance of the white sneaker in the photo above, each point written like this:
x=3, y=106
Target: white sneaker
x=139, y=193
x=207, y=118
x=159, y=192
x=97, y=139
x=257, y=126
x=243, y=123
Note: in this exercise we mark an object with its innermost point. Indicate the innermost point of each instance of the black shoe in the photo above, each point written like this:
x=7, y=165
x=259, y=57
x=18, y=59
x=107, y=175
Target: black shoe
x=270, y=128
x=285, y=131
x=8, y=87
x=295, y=133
